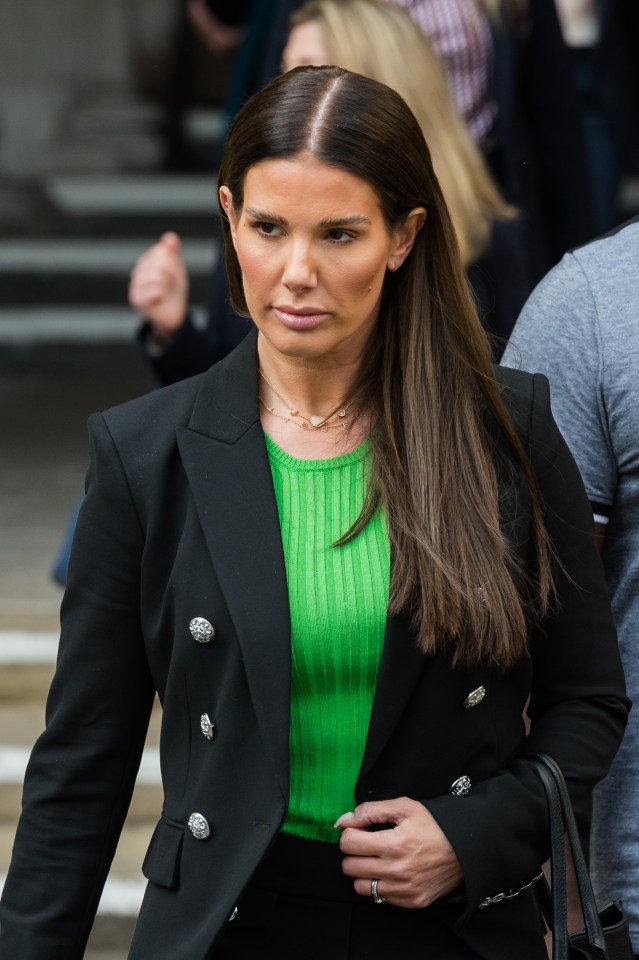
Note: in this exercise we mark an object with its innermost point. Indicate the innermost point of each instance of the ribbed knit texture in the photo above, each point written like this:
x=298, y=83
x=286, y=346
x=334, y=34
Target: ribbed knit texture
x=338, y=602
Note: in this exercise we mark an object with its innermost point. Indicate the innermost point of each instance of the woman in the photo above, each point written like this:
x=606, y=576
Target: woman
x=343, y=749
x=381, y=41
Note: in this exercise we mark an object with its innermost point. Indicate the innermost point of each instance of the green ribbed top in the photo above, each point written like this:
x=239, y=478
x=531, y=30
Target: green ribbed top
x=338, y=600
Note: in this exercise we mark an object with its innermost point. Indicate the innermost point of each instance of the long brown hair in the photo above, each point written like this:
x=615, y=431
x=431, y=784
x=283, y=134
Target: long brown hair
x=427, y=378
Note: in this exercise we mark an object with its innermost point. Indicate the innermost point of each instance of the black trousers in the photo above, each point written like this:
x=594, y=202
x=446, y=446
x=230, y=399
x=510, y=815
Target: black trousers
x=300, y=905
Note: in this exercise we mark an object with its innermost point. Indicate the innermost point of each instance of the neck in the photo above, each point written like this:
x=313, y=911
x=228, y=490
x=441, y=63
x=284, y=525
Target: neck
x=317, y=385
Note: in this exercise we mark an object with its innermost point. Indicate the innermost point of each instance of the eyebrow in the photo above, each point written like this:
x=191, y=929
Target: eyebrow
x=330, y=223
x=265, y=215
x=354, y=221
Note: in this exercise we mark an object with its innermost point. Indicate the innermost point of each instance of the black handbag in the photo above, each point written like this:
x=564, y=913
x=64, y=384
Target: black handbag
x=606, y=935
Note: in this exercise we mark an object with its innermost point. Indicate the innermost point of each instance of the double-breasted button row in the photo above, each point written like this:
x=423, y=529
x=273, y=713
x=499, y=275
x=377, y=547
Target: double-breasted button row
x=461, y=786
x=207, y=727
x=199, y=826
x=475, y=697
x=197, y=823
x=201, y=630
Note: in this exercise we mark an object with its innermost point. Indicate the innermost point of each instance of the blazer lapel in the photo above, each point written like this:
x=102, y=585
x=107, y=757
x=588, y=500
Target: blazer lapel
x=225, y=459
x=399, y=670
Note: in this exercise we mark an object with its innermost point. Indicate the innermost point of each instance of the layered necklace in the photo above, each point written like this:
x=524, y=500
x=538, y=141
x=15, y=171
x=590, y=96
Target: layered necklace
x=339, y=417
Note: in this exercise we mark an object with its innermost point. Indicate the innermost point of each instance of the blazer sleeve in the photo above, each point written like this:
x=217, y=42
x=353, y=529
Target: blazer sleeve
x=83, y=767
x=192, y=349
x=578, y=707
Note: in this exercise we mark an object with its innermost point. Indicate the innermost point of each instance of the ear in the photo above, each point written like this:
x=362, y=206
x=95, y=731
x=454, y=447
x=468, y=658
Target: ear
x=404, y=237
x=227, y=208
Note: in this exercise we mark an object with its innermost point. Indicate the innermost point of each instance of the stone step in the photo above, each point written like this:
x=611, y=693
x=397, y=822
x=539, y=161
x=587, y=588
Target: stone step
x=82, y=325
x=27, y=663
x=134, y=194
x=61, y=271
x=130, y=204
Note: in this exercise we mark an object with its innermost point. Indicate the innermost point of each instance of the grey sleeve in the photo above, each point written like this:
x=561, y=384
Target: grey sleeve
x=558, y=334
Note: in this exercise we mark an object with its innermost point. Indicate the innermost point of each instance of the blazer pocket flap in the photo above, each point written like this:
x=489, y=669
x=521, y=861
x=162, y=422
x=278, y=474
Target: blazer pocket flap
x=162, y=861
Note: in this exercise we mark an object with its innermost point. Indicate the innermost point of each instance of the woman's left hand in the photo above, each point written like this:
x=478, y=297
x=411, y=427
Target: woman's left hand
x=413, y=862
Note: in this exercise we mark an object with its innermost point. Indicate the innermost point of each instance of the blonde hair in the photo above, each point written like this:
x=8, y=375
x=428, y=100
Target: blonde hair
x=380, y=41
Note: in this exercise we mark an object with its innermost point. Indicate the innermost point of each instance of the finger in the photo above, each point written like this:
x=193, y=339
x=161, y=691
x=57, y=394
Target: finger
x=364, y=888
x=163, y=256
x=156, y=280
x=171, y=241
x=152, y=275
x=393, y=896
x=145, y=292
x=378, y=812
x=365, y=868
x=362, y=843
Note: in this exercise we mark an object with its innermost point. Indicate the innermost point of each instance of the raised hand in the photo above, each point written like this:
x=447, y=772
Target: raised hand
x=159, y=286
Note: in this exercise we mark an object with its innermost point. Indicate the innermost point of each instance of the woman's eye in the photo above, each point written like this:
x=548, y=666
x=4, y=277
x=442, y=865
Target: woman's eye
x=266, y=228
x=340, y=236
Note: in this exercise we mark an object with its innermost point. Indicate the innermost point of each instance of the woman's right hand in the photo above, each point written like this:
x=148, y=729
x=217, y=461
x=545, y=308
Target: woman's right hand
x=159, y=287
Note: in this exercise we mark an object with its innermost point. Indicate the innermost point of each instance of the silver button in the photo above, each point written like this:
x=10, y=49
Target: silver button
x=475, y=697
x=460, y=787
x=233, y=915
x=201, y=630
x=199, y=827
x=208, y=728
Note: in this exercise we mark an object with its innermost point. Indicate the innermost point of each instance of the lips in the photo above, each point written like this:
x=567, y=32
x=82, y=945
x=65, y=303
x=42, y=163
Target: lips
x=299, y=318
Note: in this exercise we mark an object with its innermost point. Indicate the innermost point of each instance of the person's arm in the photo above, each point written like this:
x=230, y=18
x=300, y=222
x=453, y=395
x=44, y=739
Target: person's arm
x=82, y=770
x=169, y=340
x=558, y=333
x=190, y=351
x=218, y=35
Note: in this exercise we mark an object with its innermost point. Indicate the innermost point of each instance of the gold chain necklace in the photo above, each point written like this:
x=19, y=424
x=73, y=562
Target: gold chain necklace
x=324, y=427
x=318, y=423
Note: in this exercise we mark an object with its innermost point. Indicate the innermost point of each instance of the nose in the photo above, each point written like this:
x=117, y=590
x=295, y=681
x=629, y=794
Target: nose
x=299, y=272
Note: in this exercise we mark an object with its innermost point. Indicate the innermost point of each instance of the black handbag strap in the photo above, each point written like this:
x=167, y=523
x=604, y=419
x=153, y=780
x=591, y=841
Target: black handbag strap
x=562, y=820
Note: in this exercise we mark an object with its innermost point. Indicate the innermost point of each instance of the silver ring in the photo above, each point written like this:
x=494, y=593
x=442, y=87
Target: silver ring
x=374, y=894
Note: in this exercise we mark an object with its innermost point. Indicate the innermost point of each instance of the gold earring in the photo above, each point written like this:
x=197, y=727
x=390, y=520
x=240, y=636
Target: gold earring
x=394, y=266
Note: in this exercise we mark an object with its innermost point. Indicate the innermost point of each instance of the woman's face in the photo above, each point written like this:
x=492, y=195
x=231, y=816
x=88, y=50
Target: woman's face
x=314, y=249
x=305, y=47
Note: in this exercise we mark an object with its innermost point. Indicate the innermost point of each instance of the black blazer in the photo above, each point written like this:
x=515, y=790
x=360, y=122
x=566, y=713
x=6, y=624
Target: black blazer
x=180, y=520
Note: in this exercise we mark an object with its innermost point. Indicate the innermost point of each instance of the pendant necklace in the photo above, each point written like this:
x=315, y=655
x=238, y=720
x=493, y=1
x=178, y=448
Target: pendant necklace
x=318, y=423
